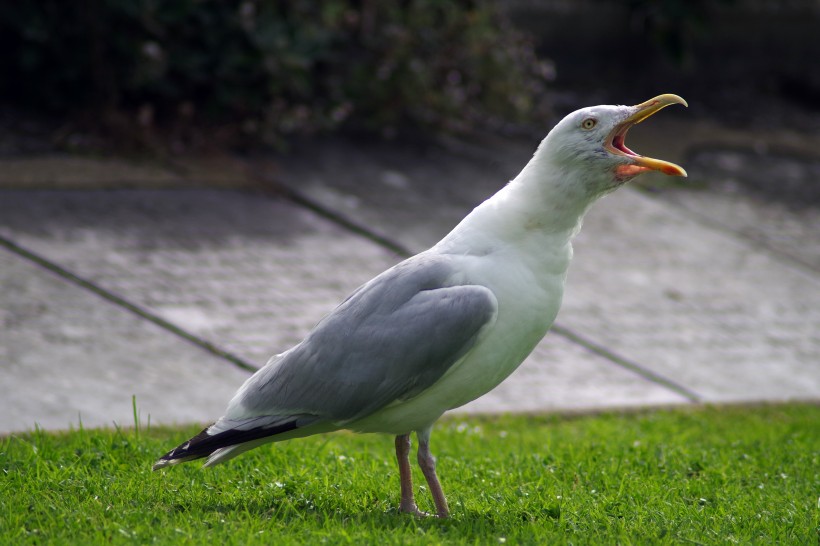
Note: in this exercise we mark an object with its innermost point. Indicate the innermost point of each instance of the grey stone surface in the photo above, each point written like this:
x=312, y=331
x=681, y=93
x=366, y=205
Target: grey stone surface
x=727, y=319
x=713, y=312
x=250, y=274
x=413, y=195
x=770, y=200
x=67, y=355
x=245, y=272
x=563, y=376
x=717, y=291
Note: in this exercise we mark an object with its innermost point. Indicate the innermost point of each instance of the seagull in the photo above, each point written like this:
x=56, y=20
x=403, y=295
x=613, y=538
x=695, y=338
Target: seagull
x=447, y=325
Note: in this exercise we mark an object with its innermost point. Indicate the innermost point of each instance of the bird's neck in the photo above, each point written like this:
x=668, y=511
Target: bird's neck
x=543, y=206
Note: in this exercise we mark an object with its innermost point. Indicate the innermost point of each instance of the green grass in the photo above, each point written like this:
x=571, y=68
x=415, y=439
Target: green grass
x=742, y=475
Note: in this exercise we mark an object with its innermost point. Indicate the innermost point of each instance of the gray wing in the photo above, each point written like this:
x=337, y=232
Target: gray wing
x=390, y=340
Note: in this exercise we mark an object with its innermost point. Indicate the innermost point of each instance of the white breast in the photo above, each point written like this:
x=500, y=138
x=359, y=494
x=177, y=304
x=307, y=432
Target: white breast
x=528, y=302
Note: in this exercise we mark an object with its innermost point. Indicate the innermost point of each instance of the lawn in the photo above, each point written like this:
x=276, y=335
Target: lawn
x=736, y=475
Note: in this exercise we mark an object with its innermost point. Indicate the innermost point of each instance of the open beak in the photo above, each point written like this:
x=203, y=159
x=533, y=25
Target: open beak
x=638, y=163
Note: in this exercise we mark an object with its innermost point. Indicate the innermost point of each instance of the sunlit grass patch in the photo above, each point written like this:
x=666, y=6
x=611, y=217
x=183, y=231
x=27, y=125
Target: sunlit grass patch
x=710, y=476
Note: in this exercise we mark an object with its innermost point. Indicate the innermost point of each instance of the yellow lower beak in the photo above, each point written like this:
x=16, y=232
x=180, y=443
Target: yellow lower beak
x=639, y=163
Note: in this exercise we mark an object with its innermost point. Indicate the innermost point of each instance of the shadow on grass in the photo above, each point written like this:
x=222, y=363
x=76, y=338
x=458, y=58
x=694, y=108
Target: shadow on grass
x=371, y=514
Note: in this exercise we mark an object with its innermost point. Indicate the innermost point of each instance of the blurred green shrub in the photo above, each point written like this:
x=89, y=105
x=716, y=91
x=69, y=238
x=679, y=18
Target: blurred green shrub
x=673, y=24
x=271, y=68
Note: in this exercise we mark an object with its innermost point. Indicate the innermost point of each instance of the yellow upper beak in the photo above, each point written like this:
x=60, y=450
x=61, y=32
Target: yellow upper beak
x=639, y=163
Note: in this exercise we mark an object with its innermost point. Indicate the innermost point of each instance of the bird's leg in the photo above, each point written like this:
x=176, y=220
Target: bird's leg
x=428, y=467
x=408, y=503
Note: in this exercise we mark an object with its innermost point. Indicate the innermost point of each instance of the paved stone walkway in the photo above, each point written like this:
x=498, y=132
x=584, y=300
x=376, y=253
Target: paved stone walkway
x=173, y=291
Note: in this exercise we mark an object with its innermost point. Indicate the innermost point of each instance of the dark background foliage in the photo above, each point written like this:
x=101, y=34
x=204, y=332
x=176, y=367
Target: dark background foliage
x=268, y=69
x=257, y=71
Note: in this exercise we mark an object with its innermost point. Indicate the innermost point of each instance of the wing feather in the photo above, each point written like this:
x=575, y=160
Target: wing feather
x=389, y=341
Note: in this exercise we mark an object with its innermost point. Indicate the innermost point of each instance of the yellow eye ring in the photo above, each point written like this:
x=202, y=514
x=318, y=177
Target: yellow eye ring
x=589, y=123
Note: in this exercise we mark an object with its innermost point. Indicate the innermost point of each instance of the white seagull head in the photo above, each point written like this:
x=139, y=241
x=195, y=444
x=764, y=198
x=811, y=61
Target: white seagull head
x=594, y=138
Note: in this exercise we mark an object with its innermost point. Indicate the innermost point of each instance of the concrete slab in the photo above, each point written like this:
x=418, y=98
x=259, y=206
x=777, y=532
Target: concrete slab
x=413, y=195
x=243, y=271
x=250, y=274
x=67, y=356
x=710, y=311
x=563, y=376
x=692, y=299
x=740, y=199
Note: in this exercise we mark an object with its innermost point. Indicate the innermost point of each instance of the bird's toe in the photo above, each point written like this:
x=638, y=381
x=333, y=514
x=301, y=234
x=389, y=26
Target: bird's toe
x=414, y=510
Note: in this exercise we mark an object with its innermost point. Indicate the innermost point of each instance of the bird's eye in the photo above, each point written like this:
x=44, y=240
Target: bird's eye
x=589, y=123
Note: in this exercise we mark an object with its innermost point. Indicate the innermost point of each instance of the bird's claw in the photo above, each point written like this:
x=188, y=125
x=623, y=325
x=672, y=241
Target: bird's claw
x=414, y=510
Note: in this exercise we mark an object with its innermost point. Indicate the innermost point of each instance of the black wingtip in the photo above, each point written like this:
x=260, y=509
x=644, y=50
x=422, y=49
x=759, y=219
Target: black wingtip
x=184, y=452
x=204, y=444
